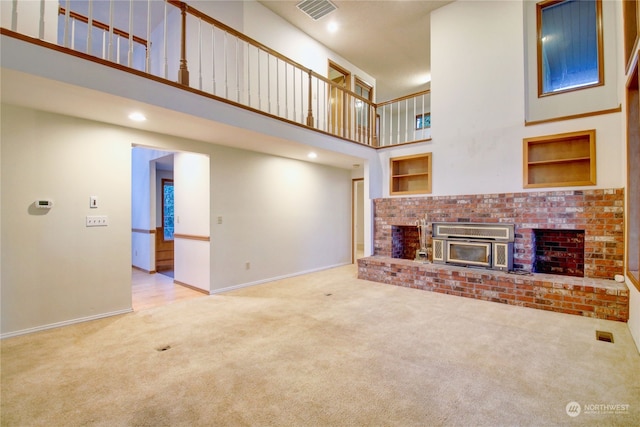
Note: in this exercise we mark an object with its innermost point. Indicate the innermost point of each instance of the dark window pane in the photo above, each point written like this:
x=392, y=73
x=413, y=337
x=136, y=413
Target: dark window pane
x=569, y=45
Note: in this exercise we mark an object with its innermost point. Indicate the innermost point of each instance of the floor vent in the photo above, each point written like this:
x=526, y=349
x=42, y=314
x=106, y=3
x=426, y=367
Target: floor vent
x=604, y=336
x=316, y=9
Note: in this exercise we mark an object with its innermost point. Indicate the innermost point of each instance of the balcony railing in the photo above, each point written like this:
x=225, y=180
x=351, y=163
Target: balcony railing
x=174, y=41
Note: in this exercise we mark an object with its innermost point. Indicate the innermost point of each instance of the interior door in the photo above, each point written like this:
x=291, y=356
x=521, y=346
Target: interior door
x=362, y=111
x=164, y=234
x=337, y=107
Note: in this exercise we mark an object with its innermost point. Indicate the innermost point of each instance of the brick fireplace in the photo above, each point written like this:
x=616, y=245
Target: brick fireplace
x=593, y=220
x=599, y=213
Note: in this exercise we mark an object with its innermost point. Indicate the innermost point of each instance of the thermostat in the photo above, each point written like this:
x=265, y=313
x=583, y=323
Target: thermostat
x=44, y=204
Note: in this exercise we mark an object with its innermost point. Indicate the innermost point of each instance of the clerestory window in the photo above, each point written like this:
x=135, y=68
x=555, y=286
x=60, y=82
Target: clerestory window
x=570, y=52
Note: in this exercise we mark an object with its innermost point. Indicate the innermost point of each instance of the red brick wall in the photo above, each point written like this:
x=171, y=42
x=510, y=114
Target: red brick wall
x=559, y=252
x=598, y=212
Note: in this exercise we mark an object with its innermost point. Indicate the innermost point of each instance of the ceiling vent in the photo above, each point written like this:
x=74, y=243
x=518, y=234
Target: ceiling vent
x=316, y=9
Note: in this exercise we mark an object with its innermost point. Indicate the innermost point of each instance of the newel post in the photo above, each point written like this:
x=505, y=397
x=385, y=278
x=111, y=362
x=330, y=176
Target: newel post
x=310, y=113
x=183, y=72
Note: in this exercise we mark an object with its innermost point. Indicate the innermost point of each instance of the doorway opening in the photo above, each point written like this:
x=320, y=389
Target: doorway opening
x=165, y=185
x=362, y=111
x=337, y=104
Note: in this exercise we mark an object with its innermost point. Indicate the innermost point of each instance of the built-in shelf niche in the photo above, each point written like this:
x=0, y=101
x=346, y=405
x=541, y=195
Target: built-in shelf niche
x=410, y=174
x=562, y=160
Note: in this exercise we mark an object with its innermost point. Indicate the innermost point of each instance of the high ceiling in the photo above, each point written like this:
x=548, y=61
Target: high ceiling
x=387, y=39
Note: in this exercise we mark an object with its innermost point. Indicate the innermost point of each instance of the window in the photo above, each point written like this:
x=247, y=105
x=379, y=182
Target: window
x=570, y=53
x=167, y=208
x=423, y=121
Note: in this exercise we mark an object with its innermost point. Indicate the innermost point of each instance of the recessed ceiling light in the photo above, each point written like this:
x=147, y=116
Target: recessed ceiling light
x=312, y=155
x=332, y=26
x=137, y=117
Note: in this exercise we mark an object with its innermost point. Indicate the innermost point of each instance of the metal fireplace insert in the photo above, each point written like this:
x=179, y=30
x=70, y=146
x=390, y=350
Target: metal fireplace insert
x=487, y=245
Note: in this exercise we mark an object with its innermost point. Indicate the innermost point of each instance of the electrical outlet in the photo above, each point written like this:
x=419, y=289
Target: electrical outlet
x=247, y=265
x=97, y=221
x=219, y=220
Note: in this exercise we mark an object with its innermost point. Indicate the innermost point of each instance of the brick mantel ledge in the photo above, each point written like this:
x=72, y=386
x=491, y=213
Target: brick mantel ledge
x=597, y=298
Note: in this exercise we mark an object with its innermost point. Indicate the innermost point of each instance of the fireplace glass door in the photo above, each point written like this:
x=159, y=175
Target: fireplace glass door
x=470, y=253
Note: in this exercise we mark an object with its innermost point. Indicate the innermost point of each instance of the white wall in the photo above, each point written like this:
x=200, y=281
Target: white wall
x=54, y=268
x=478, y=105
x=271, y=30
x=282, y=216
x=192, y=217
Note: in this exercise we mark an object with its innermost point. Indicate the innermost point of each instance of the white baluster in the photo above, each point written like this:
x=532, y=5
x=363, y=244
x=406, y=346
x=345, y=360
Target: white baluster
x=237, y=72
x=130, y=51
x=14, y=16
x=406, y=120
x=165, y=59
x=259, y=83
x=104, y=45
x=147, y=48
x=277, y=86
x=226, y=73
x=415, y=123
x=90, y=29
x=249, y=74
x=111, y=6
x=213, y=58
x=268, y=82
x=73, y=34
x=200, y=53
x=67, y=11
x=41, y=26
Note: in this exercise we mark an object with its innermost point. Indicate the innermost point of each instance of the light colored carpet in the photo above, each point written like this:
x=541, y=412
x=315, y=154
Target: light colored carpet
x=325, y=349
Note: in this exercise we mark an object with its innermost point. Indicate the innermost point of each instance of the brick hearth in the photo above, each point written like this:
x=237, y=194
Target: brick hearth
x=599, y=213
x=602, y=299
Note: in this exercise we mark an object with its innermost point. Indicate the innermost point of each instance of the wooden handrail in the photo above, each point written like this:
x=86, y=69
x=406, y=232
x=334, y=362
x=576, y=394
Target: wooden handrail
x=402, y=98
x=206, y=18
x=101, y=25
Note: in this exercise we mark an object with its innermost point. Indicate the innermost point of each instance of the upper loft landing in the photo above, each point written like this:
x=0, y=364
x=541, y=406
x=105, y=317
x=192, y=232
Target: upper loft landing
x=175, y=44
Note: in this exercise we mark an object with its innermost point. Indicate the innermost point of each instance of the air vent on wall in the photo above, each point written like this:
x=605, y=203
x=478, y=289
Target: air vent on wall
x=316, y=9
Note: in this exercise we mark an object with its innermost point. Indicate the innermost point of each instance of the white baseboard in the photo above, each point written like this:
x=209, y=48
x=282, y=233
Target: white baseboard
x=64, y=323
x=273, y=279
